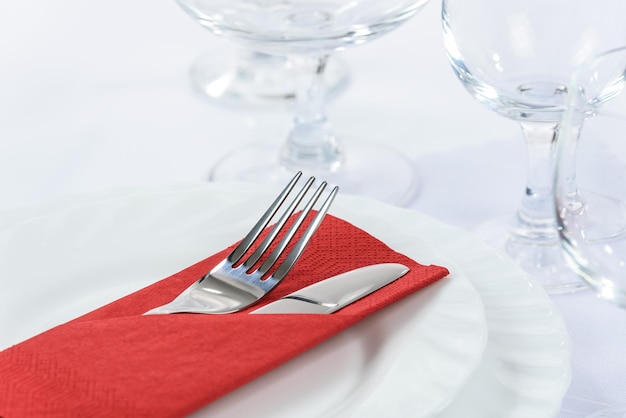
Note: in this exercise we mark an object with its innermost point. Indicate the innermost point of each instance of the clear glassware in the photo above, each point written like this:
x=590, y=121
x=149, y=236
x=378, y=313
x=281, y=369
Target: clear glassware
x=239, y=78
x=308, y=32
x=590, y=192
x=590, y=188
x=516, y=58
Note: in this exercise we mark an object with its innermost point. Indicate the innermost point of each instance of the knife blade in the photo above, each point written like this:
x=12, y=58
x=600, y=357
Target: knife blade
x=334, y=293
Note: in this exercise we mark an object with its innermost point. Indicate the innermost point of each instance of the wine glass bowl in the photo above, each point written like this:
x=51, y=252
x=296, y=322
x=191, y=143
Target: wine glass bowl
x=517, y=59
x=300, y=26
x=308, y=32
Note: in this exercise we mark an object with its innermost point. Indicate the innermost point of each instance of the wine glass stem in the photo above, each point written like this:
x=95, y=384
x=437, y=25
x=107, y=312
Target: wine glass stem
x=535, y=220
x=311, y=143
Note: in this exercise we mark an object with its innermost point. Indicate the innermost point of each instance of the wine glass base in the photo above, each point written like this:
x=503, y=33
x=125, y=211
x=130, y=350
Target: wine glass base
x=543, y=260
x=397, y=183
x=220, y=76
x=594, y=232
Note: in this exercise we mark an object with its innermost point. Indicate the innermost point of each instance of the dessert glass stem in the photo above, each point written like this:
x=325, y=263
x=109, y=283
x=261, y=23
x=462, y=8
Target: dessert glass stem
x=311, y=145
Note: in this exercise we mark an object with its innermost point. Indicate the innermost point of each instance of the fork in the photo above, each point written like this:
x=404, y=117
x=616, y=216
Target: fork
x=232, y=286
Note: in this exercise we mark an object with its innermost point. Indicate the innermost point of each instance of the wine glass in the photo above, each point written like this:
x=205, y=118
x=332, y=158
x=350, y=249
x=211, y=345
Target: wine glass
x=516, y=58
x=244, y=78
x=308, y=32
x=590, y=188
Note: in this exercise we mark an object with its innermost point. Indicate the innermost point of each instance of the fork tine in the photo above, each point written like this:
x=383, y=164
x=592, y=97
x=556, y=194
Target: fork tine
x=258, y=253
x=276, y=253
x=254, y=233
x=298, y=249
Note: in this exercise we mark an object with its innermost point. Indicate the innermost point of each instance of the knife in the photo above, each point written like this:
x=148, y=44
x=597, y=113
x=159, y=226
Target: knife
x=332, y=294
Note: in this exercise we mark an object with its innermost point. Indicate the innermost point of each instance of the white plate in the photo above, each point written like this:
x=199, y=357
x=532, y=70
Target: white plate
x=525, y=370
x=62, y=261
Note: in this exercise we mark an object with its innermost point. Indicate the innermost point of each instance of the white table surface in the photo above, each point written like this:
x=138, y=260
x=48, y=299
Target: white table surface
x=95, y=95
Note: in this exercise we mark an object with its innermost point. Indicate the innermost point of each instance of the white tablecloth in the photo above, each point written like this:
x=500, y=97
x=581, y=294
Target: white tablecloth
x=96, y=96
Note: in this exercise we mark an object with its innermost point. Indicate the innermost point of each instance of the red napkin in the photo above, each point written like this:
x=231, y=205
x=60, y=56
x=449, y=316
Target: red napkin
x=116, y=362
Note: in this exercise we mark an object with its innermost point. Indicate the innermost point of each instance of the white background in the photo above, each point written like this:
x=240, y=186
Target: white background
x=95, y=95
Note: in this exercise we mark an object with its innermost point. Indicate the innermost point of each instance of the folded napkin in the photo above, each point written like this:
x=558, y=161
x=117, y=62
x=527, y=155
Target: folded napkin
x=116, y=362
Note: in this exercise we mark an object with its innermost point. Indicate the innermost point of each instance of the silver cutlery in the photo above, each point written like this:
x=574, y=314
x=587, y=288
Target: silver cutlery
x=334, y=293
x=231, y=286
